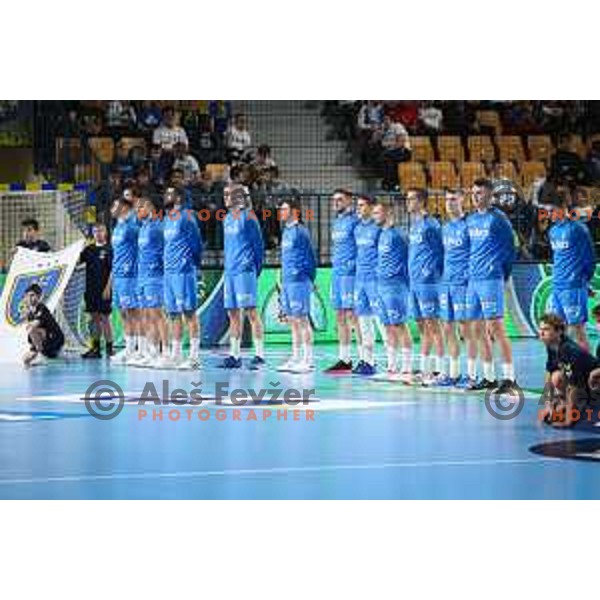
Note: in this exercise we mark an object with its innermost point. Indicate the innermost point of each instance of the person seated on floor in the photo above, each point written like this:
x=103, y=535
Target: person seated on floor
x=44, y=334
x=572, y=375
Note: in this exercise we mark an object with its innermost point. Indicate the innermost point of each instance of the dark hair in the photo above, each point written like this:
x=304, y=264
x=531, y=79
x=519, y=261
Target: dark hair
x=264, y=149
x=368, y=199
x=168, y=109
x=35, y=288
x=596, y=311
x=483, y=182
x=554, y=321
x=30, y=222
x=420, y=192
x=343, y=192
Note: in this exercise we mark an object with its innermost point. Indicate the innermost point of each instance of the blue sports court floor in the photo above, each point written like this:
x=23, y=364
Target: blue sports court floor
x=367, y=440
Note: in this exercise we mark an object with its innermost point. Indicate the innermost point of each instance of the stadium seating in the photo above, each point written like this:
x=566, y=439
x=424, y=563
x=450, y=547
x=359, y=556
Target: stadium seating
x=442, y=175
x=422, y=149
x=215, y=171
x=510, y=148
x=411, y=174
x=489, y=119
x=540, y=148
x=506, y=170
x=450, y=149
x=132, y=142
x=103, y=149
x=481, y=148
x=470, y=171
x=530, y=171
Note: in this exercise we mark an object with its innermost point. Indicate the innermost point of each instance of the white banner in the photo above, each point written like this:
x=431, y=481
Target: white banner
x=51, y=271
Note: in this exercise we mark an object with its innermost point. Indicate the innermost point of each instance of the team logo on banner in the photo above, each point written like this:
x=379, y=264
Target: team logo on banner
x=48, y=279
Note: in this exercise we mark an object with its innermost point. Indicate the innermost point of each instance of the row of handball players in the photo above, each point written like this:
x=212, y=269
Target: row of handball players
x=450, y=278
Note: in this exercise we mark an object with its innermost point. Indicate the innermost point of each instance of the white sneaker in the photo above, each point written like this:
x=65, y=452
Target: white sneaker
x=188, y=364
x=287, y=365
x=164, y=362
x=134, y=359
x=302, y=367
x=147, y=361
x=405, y=377
x=429, y=379
x=121, y=358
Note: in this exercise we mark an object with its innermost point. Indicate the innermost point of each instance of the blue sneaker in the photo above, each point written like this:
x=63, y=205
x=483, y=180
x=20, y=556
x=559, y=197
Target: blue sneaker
x=231, y=362
x=358, y=368
x=257, y=362
x=368, y=370
x=463, y=382
x=444, y=381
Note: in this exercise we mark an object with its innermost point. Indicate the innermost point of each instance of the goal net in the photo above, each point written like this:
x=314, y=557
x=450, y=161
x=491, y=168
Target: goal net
x=62, y=218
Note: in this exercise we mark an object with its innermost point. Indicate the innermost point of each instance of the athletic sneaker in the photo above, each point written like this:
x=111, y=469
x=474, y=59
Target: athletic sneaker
x=165, y=362
x=257, y=362
x=92, y=353
x=357, y=369
x=416, y=378
x=444, y=380
x=121, y=358
x=287, y=365
x=483, y=384
x=430, y=379
x=508, y=386
x=341, y=366
x=302, y=367
x=231, y=362
x=464, y=381
x=367, y=370
x=188, y=364
x=405, y=377
x=135, y=359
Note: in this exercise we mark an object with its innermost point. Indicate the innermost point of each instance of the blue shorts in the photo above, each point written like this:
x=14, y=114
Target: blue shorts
x=424, y=301
x=570, y=305
x=485, y=300
x=240, y=290
x=124, y=293
x=342, y=291
x=365, y=296
x=295, y=298
x=181, y=293
x=453, y=302
x=392, y=304
x=151, y=292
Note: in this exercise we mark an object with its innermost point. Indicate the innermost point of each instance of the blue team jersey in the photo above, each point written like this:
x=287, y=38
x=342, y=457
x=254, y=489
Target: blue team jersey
x=457, y=246
x=298, y=261
x=392, y=256
x=125, y=246
x=343, y=258
x=150, y=248
x=573, y=254
x=366, y=234
x=244, y=249
x=183, y=243
x=425, y=250
x=492, y=245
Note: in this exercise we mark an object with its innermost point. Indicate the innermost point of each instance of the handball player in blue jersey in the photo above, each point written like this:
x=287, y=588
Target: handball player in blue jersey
x=573, y=267
x=124, y=272
x=366, y=234
x=298, y=273
x=343, y=262
x=425, y=265
x=182, y=256
x=151, y=285
x=392, y=292
x=492, y=255
x=244, y=254
x=453, y=290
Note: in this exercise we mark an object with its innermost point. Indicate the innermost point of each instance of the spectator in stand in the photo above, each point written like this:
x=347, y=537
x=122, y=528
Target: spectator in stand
x=539, y=244
x=32, y=237
x=185, y=162
x=262, y=164
x=518, y=119
x=592, y=163
x=395, y=148
x=404, y=112
x=566, y=166
x=177, y=181
x=588, y=213
x=123, y=161
x=168, y=133
x=144, y=183
x=220, y=115
x=238, y=140
x=160, y=164
x=370, y=118
x=120, y=115
x=430, y=118
x=150, y=115
x=106, y=192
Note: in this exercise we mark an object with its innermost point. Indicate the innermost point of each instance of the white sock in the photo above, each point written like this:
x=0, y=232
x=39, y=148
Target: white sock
x=472, y=368
x=142, y=345
x=176, y=348
x=454, y=367
x=431, y=363
x=422, y=363
x=439, y=364
x=406, y=355
x=129, y=344
x=307, y=353
x=234, y=347
x=361, y=352
x=391, y=358
x=488, y=371
x=295, y=351
x=259, y=347
x=344, y=354
x=194, y=347
x=508, y=371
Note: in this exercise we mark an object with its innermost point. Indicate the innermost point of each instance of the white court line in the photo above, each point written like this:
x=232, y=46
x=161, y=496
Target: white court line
x=276, y=470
